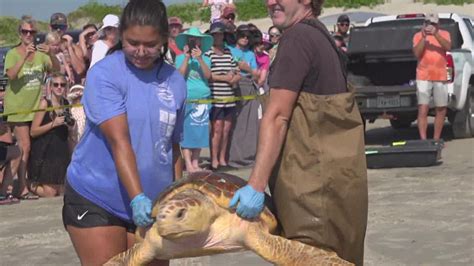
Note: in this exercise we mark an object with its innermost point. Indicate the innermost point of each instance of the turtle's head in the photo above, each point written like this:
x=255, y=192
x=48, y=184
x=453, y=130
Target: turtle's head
x=185, y=214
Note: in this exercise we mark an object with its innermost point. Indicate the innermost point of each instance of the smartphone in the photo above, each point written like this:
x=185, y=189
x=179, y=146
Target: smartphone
x=191, y=45
x=36, y=41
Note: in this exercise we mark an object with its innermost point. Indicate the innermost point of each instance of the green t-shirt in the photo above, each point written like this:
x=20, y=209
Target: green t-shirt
x=24, y=92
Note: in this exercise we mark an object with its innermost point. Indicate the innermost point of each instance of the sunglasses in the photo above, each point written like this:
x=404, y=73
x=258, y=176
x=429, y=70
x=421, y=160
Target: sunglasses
x=427, y=22
x=274, y=35
x=57, y=84
x=59, y=27
x=230, y=17
x=343, y=24
x=26, y=32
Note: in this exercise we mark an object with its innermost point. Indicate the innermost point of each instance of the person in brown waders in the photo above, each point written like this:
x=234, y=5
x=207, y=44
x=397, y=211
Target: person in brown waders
x=311, y=145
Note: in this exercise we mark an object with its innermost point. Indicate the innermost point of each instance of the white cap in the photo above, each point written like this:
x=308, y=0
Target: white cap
x=432, y=17
x=110, y=21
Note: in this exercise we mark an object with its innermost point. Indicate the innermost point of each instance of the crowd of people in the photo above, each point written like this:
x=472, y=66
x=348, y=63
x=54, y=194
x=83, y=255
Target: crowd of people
x=219, y=64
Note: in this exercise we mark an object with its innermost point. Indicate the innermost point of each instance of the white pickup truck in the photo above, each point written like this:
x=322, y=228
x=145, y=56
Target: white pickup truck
x=382, y=68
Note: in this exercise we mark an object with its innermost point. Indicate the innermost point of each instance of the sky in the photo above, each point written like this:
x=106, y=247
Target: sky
x=42, y=9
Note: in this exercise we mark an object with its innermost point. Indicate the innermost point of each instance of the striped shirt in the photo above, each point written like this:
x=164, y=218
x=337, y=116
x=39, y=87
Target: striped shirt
x=221, y=65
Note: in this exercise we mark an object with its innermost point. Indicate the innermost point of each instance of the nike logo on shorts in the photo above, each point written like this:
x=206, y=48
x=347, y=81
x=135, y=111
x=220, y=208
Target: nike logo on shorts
x=79, y=217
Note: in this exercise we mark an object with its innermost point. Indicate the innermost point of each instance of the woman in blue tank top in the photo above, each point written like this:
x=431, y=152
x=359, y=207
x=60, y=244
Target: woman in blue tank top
x=134, y=104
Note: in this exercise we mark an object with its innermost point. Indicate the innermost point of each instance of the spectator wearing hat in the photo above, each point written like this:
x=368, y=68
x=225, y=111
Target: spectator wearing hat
x=217, y=8
x=228, y=15
x=430, y=46
x=175, y=28
x=343, y=25
x=108, y=37
x=225, y=74
x=195, y=67
x=58, y=24
x=243, y=145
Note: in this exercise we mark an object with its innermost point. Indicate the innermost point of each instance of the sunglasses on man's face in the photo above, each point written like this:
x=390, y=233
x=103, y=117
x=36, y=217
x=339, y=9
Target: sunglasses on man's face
x=430, y=23
x=343, y=24
x=57, y=84
x=59, y=27
x=26, y=32
x=230, y=17
x=273, y=35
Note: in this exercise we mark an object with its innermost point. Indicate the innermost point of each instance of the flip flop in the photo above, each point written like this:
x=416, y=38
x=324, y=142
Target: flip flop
x=29, y=196
x=8, y=199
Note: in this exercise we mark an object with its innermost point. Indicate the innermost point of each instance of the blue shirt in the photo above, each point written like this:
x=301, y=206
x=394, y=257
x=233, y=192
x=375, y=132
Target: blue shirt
x=153, y=101
x=244, y=55
x=198, y=87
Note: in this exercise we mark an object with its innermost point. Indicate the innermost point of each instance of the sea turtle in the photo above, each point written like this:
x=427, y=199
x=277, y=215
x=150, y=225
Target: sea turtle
x=192, y=219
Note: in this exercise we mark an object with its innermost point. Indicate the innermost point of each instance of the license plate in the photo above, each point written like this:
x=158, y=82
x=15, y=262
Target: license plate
x=388, y=101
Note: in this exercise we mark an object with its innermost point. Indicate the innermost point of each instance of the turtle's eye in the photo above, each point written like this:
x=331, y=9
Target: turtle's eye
x=181, y=213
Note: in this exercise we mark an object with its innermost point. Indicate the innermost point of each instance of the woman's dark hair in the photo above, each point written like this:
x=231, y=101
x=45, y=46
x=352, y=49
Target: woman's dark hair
x=255, y=39
x=144, y=13
x=90, y=25
x=317, y=6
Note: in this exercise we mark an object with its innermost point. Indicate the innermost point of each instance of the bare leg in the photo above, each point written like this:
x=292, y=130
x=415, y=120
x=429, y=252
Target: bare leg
x=225, y=141
x=187, y=160
x=217, y=129
x=195, y=153
x=13, y=159
x=439, y=122
x=22, y=134
x=96, y=245
x=45, y=190
x=422, y=120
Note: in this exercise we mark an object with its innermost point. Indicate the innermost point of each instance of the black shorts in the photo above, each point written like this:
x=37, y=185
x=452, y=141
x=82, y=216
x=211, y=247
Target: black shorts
x=3, y=152
x=221, y=113
x=80, y=212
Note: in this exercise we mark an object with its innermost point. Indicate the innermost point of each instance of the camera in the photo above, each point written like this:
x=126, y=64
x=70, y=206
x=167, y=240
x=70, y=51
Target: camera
x=68, y=119
x=191, y=45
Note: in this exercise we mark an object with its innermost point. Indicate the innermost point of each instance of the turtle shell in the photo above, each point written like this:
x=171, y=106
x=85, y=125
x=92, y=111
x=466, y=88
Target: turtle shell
x=220, y=187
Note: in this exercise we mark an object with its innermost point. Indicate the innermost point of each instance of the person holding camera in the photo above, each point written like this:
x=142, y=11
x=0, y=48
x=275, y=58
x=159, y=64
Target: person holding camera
x=108, y=38
x=430, y=46
x=50, y=153
x=195, y=67
x=25, y=66
x=58, y=24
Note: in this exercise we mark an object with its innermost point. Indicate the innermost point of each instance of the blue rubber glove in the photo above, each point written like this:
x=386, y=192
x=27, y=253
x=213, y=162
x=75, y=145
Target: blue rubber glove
x=141, y=207
x=250, y=202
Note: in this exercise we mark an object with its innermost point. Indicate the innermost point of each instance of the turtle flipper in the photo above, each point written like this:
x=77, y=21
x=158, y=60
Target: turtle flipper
x=141, y=253
x=125, y=257
x=285, y=252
